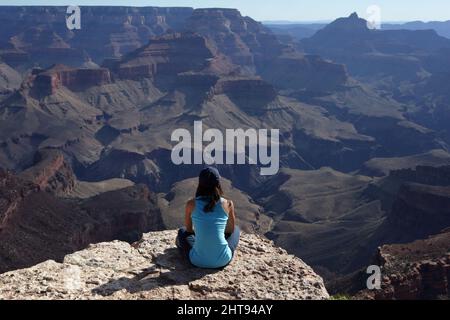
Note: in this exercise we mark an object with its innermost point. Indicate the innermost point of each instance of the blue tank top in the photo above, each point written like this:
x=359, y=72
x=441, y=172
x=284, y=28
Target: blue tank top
x=210, y=249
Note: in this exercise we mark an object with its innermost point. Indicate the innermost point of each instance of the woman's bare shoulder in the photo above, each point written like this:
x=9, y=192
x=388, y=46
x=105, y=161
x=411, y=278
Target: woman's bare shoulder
x=227, y=203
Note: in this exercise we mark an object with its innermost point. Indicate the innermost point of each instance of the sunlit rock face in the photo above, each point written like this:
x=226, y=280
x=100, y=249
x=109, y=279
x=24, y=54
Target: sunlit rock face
x=153, y=268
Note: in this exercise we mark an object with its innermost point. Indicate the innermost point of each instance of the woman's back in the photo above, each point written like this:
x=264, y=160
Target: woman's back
x=211, y=249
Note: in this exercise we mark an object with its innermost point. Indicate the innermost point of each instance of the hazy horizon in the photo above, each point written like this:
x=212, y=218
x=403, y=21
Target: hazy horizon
x=299, y=10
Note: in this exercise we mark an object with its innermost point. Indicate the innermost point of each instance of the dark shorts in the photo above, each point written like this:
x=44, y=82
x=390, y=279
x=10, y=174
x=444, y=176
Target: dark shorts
x=185, y=240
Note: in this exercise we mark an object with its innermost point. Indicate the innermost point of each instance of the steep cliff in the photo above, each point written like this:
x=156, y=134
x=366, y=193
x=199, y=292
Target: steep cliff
x=420, y=210
x=39, y=33
x=417, y=202
x=153, y=268
x=51, y=173
x=417, y=270
x=257, y=50
x=167, y=55
x=36, y=225
x=10, y=80
x=76, y=79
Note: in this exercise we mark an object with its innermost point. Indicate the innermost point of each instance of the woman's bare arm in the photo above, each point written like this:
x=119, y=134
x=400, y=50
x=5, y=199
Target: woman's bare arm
x=190, y=205
x=231, y=217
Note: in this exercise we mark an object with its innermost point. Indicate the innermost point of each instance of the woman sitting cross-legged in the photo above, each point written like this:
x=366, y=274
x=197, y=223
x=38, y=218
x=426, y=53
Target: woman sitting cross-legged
x=210, y=235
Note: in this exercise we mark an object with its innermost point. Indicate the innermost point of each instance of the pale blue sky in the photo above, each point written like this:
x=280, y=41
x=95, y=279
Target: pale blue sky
x=294, y=10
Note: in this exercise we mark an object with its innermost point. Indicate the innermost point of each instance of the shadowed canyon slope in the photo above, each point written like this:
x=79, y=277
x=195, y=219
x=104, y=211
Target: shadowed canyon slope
x=38, y=223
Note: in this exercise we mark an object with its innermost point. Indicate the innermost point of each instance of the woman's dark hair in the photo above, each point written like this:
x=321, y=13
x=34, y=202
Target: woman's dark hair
x=209, y=187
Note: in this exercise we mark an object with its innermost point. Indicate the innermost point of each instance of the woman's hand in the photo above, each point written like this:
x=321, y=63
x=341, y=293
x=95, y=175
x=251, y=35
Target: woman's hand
x=190, y=205
x=231, y=217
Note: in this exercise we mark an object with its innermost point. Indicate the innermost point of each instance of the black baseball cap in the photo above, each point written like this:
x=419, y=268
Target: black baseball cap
x=209, y=176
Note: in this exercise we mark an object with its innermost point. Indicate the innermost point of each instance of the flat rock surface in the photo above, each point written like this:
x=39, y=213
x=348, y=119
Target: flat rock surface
x=154, y=269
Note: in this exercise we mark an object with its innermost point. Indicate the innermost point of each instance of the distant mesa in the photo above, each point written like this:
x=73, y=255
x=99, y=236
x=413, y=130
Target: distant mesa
x=376, y=53
x=167, y=55
x=46, y=82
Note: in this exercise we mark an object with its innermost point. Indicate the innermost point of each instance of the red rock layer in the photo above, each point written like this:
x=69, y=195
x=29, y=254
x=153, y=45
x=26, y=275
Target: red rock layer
x=48, y=81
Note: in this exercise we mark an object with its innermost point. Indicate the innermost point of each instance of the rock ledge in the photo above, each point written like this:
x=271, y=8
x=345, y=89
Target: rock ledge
x=153, y=269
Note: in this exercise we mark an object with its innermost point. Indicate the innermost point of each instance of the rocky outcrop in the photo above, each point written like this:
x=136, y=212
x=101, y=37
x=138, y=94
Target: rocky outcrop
x=35, y=225
x=14, y=56
x=313, y=73
x=229, y=31
x=250, y=94
x=48, y=81
x=258, y=51
x=417, y=270
x=39, y=33
x=10, y=80
x=190, y=63
x=436, y=176
x=40, y=43
x=239, y=88
x=11, y=195
x=420, y=210
x=384, y=166
x=153, y=268
x=168, y=55
x=51, y=173
x=416, y=201
x=126, y=164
